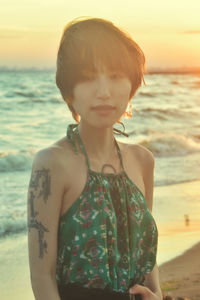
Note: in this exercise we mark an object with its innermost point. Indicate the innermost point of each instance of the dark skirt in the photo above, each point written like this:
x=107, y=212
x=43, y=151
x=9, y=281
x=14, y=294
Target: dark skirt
x=72, y=291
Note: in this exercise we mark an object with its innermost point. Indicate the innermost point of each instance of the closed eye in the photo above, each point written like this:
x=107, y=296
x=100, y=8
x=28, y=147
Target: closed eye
x=87, y=75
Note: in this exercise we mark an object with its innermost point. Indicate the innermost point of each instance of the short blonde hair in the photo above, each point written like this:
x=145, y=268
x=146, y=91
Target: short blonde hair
x=89, y=40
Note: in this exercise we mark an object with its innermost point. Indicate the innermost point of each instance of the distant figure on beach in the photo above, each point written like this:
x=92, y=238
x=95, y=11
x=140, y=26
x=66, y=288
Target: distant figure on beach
x=187, y=220
x=91, y=231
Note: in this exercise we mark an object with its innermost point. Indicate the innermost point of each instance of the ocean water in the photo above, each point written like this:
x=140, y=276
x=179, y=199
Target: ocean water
x=166, y=120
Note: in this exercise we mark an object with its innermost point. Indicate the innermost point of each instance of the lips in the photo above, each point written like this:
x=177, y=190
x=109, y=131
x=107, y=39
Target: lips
x=103, y=108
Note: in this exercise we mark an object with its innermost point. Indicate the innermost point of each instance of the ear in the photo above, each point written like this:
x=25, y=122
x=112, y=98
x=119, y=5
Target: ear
x=128, y=113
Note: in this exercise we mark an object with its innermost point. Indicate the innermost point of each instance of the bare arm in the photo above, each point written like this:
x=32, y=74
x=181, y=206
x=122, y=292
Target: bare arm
x=151, y=290
x=44, y=201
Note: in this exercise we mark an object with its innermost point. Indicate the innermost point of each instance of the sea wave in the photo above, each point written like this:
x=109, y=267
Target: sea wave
x=196, y=85
x=26, y=94
x=174, y=82
x=11, y=225
x=147, y=94
x=159, y=144
x=165, y=111
x=170, y=144
x=32, y=97
x=155, y=94
x=16, y=160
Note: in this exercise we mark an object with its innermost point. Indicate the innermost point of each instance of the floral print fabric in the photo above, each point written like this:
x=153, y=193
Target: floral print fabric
x=108, y=238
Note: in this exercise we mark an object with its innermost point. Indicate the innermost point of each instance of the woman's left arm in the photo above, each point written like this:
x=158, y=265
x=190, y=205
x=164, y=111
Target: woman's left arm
x=151, y=289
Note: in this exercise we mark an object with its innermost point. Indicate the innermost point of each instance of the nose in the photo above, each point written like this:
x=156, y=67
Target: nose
x=102, y=87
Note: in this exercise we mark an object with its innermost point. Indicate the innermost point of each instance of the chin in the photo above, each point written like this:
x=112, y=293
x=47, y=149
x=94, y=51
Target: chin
x=99, y=124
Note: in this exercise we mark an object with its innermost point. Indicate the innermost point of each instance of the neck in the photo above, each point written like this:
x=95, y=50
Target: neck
x=99, y=142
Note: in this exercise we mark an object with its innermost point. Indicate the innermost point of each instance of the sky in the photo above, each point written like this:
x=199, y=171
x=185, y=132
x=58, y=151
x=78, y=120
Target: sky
x=167, y=31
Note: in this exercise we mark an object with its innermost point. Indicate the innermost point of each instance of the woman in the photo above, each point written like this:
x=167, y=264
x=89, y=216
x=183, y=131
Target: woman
x=91, y=232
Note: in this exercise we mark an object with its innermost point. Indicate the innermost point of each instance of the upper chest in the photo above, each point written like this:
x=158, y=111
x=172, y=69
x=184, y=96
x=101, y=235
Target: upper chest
x=77, y=174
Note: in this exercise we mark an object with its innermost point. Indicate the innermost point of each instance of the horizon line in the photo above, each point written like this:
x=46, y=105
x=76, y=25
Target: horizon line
x=149, y=70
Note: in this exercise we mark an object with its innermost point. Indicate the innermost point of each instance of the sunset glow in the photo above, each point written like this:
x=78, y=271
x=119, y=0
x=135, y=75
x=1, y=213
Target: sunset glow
x=168, y=32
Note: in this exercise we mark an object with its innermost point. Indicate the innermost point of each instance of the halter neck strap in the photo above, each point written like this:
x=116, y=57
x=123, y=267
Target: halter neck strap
x=119, y=154
x=82, y=147
x=73, y=135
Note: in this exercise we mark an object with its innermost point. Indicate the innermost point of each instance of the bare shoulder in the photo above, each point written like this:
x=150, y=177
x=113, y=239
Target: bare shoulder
x=57, y=158
x=145, y=161
x=141, y=153
x=54, y=154
x=47, y=156
x=145, y=155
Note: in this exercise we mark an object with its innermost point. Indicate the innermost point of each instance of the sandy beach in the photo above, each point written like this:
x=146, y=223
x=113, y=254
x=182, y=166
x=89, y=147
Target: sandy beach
x=171, y=204
x=179, y=246
x=180, y=277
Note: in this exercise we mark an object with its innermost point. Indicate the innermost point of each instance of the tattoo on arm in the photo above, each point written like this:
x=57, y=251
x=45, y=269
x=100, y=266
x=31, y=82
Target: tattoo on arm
x=39, y=187
x=40, y=182
x=33, y=223
x=33, y=213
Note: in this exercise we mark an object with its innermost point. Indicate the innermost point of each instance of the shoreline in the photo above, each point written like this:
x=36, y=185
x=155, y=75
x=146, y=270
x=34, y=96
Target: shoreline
x=173, y=205
x=172, y=246
x=151, y=70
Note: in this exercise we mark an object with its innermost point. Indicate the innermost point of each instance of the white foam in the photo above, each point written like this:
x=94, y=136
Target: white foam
x=15, y=161
x=170, y=144
x=11, y=225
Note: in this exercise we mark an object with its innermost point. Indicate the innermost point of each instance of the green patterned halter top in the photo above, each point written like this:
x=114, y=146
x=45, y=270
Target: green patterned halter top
x=108, y=237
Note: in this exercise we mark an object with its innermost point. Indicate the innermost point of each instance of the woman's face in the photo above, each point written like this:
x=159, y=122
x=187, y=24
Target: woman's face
x=101, y=97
